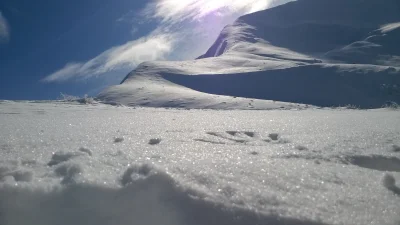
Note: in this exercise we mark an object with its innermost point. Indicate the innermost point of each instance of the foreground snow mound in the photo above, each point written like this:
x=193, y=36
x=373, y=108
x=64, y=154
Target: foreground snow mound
x=147, y=196
x=67, y=164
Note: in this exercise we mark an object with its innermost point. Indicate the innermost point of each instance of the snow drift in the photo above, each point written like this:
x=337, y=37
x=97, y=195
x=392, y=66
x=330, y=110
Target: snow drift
x=318, y=52
x=148, y=196
x=63, y=163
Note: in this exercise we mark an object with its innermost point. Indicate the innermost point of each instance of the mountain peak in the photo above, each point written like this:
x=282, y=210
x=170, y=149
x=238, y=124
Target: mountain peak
x=318, y=52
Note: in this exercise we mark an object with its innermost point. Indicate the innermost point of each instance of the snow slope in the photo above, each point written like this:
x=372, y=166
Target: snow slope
x=380, y=48
x=65, y=163
x=318, y=52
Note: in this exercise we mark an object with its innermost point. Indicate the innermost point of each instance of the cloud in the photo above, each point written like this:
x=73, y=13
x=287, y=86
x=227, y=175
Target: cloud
x=198, y=21
x=129, y=55
x=175, y=11
x=186, y=28
x=70, y=70
x=4, y=29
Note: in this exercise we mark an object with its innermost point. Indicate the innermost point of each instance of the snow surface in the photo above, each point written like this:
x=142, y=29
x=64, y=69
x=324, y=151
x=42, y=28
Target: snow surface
x=88, y=163
x=65, y=163
x=316, y=52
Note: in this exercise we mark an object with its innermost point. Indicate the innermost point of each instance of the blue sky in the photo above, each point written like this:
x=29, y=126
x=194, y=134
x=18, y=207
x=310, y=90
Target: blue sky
x=80, y=47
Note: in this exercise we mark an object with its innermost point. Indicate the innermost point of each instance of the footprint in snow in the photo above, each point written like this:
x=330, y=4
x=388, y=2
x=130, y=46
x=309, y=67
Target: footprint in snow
x=118, y=139
x=395, y=148
x=155, y=141
x=376, y=162
x=61, y=157
x=389, y=182
x=65, y=168
x=241, y=138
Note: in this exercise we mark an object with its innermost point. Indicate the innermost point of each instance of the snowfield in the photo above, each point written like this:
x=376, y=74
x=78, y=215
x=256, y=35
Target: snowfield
x=280, y=123
x=66, y=163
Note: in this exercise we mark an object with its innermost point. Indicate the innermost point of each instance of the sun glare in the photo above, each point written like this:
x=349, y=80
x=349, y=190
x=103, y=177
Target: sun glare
x=197, y=9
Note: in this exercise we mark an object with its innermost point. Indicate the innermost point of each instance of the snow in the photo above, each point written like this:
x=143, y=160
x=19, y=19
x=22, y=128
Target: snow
x=306, y=52
x=60, y=164
x=271, y=129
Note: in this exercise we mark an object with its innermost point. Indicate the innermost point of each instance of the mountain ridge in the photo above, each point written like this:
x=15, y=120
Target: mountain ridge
x=290, y=53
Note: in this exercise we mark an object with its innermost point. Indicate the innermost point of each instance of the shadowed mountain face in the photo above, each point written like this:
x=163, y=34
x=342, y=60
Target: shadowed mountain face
x=355, y=88
x=318, y=52
x=380, y=47
x=310, y=26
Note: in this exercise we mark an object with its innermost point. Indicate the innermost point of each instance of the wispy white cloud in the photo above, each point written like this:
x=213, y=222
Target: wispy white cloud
x=186, y=28
x=4, y=29
x=66, y=73
x=198, y=22
x=129, y=55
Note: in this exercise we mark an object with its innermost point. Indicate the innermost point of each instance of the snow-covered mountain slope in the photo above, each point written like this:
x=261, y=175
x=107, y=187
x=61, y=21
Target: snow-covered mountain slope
x=318, y=52
x=381, y=47
x=308, y=26
x=152, y=84
x=64, y=164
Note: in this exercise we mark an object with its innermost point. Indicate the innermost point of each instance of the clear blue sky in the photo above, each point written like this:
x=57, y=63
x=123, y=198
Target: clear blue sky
x=79, y=47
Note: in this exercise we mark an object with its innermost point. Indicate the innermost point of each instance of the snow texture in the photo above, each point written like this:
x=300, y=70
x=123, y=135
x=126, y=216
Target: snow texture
x=283, y=167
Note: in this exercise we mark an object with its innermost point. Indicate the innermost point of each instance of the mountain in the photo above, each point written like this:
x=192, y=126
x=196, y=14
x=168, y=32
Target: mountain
x=307, y=52
x=380, y=47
